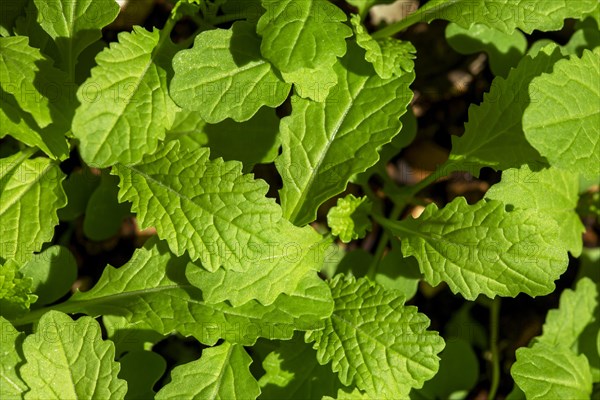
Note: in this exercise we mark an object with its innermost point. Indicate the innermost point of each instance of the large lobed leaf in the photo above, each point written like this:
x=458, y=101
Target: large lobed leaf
x=222, y=373
x=31, y=192
x=154, y=291
x=222, y=217
x=68, y=359
x=224, y=76
x=125, y=106
x=327, y=143
x=563, y=120
x=484, y=249
x=375, y=341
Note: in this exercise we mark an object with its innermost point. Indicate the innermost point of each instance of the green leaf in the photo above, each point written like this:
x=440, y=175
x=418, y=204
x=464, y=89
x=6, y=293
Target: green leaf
x=74, y=25
x=587, y=36
x=139, y=385
x=550, y=191
x=53, y=272
x=325, y=144
x=104, y=214
x=289, y=264
x=349, y=219
x=494, y=134
x=34, y=95
x=11, y=10
x=292, y=372
x=505, y=15
x=375, y=341
x=224, y=76
x=222, y=373
x=459, y=371
x=389, y=56
x=575, y=311
x=31, y=192
x=299, y=34
x=484, y=249
x=15, y=291
x=12, y=386
x=69, y=359
x=213, y=211
x=125, y=106
x=152, y=291
x=563, y=121
x=504, y=50
x=18, y=77
x=130, y=337
x=79, y=186
x=395, y=272
x=552, y=372
x=255, y=141
x=314, y=84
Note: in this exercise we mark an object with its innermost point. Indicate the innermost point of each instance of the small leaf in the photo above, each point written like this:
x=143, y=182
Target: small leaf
x=299, y=34
x=484, y=249
x=562, y=122
x=16, y=294
x=222, y=373
x=53, y=272
x=31, y=192
x=375, y=341
x=349, y=219
x=12, y=386
x=552, y=372
x=550, y=191
x=224, y=76
x=389, y=56
x=69, y=359
x=125, y=106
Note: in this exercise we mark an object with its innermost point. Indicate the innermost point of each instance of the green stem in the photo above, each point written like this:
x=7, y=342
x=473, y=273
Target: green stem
x=383, y=241
x=399, y=26
x=33, y=316
x=494, y=318
x=223, y=19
